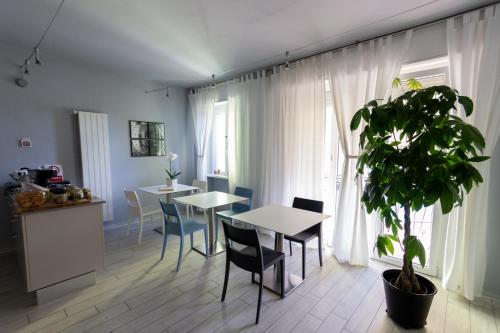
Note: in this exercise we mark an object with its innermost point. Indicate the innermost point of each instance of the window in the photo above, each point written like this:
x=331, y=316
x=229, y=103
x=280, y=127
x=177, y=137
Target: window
x=218, y=152
x=429, y=73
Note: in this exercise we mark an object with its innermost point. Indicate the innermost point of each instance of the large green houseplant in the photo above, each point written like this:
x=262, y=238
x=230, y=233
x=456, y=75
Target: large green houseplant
x=415, y=151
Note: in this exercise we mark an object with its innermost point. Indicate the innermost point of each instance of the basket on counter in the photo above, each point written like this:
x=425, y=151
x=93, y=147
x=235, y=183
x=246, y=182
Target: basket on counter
x=30, y=199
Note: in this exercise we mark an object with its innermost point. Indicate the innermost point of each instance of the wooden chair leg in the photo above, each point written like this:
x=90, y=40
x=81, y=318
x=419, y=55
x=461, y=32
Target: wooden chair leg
x=164, y=246
x=141, y=223
x=260, y=298
x=303, y=260
x=181, y=250
x=226, y=278
x=191, y=240
x=290, y=248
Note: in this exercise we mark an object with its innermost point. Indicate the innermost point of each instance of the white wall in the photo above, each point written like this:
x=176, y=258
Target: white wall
x=43, y=112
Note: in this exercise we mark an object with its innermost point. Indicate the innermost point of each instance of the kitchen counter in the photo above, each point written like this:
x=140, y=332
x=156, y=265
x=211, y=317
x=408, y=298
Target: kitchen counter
x=52, y=206
x=60, y=248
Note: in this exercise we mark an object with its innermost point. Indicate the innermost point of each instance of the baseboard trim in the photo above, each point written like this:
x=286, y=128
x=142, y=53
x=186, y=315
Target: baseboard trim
x=491, y=296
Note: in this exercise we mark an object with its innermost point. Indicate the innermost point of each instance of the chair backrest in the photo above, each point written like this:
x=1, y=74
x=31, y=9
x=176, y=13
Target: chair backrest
x=243, y=192
x=251, y=259
x=200, y=184
x=308, y=204
x=311, y=205
x=132, y=198
x=133, y=202
x=170, y=210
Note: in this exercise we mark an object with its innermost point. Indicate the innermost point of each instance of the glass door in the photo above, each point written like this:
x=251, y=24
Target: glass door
x=422, y=226
x=429, y=73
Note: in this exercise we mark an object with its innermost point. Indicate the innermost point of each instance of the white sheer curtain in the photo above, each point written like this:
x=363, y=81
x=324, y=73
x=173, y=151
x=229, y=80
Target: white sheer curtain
x=247, y=99
x=276, y=132
x=202, y=109
x=293, y=133
x=474, y=53
x=358, y=75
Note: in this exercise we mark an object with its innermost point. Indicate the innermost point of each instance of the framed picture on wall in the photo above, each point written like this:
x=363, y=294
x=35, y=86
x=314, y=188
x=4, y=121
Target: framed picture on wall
x=139, y=147
x=156, y=131
x=147, y=138
x=139, y=129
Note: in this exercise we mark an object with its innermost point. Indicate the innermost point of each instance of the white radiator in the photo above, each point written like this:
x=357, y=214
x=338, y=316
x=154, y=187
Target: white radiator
x=94, y=144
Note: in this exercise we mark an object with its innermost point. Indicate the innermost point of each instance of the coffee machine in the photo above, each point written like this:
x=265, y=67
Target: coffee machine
x=41, y=176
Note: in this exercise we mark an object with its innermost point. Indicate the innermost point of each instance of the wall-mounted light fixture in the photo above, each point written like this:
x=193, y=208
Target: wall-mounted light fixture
x=287, y=61
x=167, y=93
x=213, y=81
x=35, y=54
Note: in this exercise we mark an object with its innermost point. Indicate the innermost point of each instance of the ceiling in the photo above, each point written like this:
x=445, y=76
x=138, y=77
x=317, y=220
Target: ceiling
x=183, y=42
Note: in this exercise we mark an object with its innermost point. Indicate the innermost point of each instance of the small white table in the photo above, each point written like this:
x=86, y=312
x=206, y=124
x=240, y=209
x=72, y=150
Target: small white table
x=210, y=200
x=163, y=190
x=283, y=221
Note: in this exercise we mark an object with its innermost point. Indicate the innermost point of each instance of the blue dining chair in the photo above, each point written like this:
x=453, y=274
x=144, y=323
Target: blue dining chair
x=236, y=208
x=178, y=226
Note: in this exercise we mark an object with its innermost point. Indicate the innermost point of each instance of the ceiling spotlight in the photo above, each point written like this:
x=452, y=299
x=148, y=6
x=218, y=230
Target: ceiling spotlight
x=36, y=53
x=287, y=62
x=27, y=67
x=213, y=81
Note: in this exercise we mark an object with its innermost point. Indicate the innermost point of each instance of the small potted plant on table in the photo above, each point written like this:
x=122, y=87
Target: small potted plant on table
x=172, y=174
x=416, y=151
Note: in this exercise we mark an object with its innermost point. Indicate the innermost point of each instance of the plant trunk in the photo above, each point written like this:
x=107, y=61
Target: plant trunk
x=407, y=280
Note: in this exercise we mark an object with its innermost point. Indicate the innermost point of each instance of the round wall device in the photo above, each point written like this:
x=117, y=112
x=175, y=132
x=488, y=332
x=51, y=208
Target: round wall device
x=21, y=82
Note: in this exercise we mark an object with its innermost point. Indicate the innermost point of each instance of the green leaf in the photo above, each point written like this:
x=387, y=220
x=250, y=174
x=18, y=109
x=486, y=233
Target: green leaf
x=396, y=83
x=365, y=113
x=467, y=104
x=384, y=245
x=415, y=248
x=414, y=84
x=446, y=200
x=478, y=158
x=356, y=119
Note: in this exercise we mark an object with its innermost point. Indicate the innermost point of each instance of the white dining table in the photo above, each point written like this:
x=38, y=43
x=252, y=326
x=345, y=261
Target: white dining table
x=210, y=201
x=283, y=221
x=162, y=190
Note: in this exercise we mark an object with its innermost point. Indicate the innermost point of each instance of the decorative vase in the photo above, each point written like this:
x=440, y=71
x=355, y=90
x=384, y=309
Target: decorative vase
x=407, y=309
x=171, y=183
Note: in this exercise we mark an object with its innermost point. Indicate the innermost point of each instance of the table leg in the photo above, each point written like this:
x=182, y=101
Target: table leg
x=213, y=246
x=272, y=277
x=168, y=197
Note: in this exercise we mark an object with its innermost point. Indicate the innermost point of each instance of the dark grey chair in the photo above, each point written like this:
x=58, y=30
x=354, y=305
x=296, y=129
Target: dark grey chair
x=308, y=234
x=253, y=257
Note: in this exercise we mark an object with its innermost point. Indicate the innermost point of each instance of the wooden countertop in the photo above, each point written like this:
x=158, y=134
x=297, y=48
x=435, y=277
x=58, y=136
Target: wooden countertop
x=53, y=206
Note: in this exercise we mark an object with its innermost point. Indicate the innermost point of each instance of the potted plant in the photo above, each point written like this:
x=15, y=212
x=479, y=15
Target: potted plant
x=172, y=174
x=415, y=151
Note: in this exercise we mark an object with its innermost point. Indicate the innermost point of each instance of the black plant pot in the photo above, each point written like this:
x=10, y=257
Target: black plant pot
x=407, y=309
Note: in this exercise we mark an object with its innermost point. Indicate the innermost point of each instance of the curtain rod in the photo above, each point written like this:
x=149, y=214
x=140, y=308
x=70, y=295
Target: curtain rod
x=419, y=26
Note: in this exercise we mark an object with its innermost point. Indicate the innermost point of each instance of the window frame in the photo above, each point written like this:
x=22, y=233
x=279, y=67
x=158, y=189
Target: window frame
x=219, y=107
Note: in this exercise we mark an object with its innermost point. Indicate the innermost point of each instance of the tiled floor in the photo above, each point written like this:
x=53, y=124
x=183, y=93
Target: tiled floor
x=137, y=292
